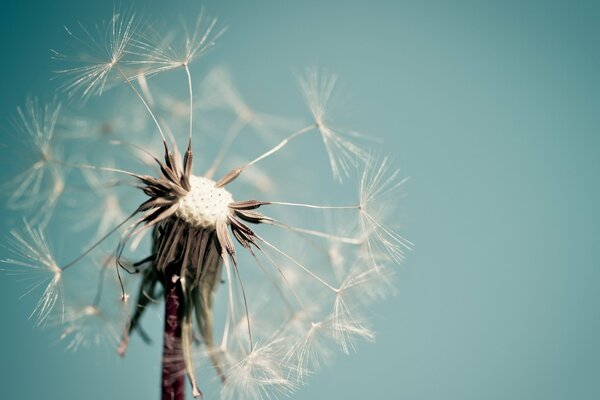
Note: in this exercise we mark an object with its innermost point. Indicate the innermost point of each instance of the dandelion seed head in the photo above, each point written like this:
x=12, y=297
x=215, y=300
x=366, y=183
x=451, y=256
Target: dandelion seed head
x=273, y=326
x=204, y=205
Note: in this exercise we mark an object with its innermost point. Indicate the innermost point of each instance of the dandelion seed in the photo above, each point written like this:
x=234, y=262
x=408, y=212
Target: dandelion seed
x=39, y=186
x=33, y=262
x=222, y=93
x=312, y=349
x=379, y=185
x=348, y=327
x=94, y=67
x=259, y=375
x=159, y=53
x=91, y=325
x=361, y=285
x=317, y=88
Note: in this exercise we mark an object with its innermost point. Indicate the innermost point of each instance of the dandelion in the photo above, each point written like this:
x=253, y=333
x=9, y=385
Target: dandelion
x=38, y=187
x=246, y=289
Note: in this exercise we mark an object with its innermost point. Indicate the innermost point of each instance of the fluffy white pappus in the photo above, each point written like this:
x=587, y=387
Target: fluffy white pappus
x=340, y=253
x=264, y=320
x=260, y=374
x=363, y=284
x=157, y=52
x=366, y=283
x=311, y=347
x=38, y=123
x=39, y=186
x=105, y=47
x=305, y=296
x=344, y=155
x=90, y=325
x=380, y=189
x=349, y=327
x=218, y=91
x=32, y=261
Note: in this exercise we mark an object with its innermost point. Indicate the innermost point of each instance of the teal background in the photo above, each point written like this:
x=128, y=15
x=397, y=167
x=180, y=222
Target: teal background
x=490, y=107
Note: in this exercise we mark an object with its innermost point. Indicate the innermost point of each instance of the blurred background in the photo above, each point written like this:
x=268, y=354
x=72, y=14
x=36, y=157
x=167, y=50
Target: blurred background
x=490, y=107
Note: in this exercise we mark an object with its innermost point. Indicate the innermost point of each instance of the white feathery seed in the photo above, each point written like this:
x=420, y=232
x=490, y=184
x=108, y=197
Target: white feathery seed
x=39, y=186
x=380, y=186
x=32, y=261
x=318, y=88
x=105, y=46
x=260, y=374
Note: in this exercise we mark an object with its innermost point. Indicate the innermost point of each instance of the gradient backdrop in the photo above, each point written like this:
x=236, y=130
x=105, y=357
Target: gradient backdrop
x=492, y=109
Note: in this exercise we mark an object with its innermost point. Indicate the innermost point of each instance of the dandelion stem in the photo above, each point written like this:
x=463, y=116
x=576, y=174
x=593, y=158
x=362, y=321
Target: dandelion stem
x=173, y=364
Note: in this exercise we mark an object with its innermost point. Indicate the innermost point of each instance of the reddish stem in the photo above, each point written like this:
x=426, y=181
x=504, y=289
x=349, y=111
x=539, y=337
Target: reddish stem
x=173, y=365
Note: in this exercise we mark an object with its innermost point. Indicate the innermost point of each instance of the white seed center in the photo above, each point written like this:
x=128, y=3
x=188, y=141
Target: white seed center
x=204, y=204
